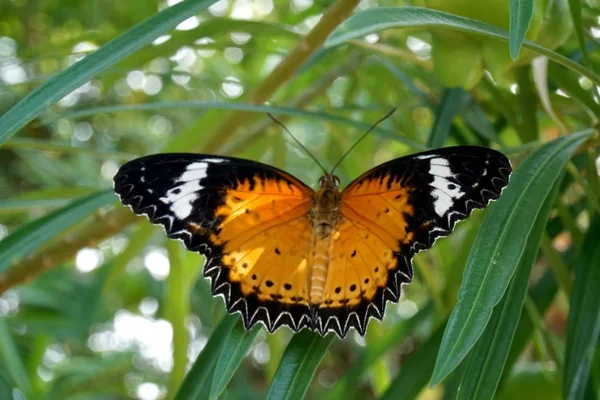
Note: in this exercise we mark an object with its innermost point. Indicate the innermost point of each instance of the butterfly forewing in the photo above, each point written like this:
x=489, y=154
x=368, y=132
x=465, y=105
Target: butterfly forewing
x=390, y=213
x=250, y=221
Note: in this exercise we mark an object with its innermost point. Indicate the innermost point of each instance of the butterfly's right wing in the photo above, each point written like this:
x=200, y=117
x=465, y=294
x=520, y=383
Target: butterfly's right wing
x=390, y=213
x=249, y=219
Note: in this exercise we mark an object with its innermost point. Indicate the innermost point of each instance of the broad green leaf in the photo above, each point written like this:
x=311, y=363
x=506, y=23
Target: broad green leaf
x=33, y=235
x=196, y=384
x=108, y=55
x=416, y=371
x=263, y=109
x=374, y=20
x=498, y=248
x=486, y=361
x=298, y=365
x=520, y=17
x=583, y=328
x=9, y=354
x=233, y=351
x=373, y=352
x=451, y=103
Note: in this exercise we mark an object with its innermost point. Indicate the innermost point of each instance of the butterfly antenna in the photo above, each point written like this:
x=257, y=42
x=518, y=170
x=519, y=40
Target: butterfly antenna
x=362, y=137
x=297, y=141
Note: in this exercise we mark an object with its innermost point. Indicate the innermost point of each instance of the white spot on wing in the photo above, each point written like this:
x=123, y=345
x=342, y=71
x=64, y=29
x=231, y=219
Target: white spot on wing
x=182, y=208
x=439, y=170
x=182, y=196
x=445, y=192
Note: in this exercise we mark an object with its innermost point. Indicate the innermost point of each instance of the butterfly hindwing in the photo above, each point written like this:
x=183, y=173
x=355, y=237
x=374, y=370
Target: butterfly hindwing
x=390, y=213
x=249, y=220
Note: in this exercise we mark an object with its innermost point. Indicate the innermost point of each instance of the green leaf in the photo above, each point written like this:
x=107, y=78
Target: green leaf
x=374, y=20
x=298, y=365
x=12, y=360
x=520, y=18
x=234, y=349
x=451, y=103
x=416, y=371
x=197, y=381
x=486, y=361
x=583, y=328
x=579, y=26
x=176, y=310
x=30, y=237
x=106, y=56
x=498, y=248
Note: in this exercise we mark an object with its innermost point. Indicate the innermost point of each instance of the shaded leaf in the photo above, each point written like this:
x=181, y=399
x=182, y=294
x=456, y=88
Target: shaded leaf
x=520, y=18
x=451, y=103
x=583, y=327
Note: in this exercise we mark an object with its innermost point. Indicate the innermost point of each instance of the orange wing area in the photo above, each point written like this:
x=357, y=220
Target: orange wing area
x=390, y=213
x=265, y=237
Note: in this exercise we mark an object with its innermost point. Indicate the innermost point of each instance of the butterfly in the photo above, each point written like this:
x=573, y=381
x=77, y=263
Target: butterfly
x=283, y=254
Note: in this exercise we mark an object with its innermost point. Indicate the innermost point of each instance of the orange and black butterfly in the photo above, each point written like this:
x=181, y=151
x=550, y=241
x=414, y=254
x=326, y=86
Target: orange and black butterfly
x=281, y=253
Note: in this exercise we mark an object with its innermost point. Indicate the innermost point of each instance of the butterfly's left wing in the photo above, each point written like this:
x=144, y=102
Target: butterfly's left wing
x=250, y=220
x=390, y=213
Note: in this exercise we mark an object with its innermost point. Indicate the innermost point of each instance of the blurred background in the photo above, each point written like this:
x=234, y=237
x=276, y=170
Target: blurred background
x=109, y=308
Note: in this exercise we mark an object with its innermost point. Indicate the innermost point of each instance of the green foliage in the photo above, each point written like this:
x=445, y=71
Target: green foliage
x=96, y=303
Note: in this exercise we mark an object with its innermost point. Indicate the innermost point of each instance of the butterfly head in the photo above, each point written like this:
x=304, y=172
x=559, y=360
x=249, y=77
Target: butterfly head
x=329, y=181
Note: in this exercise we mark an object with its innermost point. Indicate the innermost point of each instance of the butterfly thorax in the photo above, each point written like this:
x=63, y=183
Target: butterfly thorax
x=324, y=217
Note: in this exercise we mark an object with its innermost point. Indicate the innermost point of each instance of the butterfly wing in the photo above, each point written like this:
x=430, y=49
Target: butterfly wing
x=248, y=219
x=390, y=213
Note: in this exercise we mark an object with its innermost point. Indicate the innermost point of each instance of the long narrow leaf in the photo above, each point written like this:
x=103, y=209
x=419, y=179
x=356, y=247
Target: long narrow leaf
x=197, y=381
x=30, y=237
x=486, y=361
x=374, y=20
x=234, y=349
x=584, y=317
x=108, y=55
x=520, y=17
x=450, y=105
x=298, y=365
x=11, y=358
x=498, y=248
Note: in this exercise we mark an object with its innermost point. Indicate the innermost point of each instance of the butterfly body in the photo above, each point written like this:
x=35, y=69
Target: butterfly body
x=282, y=254
x=324, y=219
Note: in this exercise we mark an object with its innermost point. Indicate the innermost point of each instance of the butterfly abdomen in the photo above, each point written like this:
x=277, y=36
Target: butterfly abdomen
x=325, y=215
